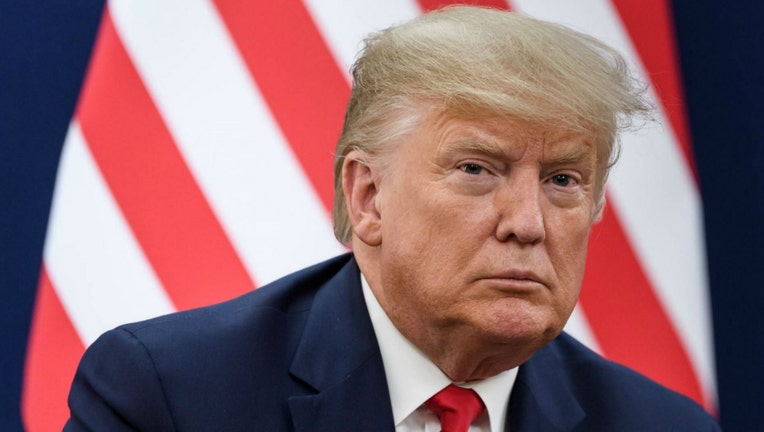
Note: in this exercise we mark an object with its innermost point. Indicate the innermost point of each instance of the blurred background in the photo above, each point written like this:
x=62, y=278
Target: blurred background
x=45, y=48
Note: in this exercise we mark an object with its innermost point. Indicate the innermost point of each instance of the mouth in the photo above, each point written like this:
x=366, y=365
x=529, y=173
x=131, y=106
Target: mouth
x=516, y=281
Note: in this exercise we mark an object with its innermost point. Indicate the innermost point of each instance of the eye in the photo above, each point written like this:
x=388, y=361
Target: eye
x=471, y=168
x=561, y=180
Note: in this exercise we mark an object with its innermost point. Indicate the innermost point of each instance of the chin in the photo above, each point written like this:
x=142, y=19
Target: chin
x=524, y=327
x=506, y=348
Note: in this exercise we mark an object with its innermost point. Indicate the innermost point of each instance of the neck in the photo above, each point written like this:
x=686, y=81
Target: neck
x=460, y=351
x=462, y=354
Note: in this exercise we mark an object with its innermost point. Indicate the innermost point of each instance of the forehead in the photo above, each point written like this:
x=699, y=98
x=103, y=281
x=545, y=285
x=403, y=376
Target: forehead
x=506, y=138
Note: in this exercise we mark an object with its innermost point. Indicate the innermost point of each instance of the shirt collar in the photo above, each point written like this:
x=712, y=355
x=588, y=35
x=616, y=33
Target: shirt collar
x=412, y=378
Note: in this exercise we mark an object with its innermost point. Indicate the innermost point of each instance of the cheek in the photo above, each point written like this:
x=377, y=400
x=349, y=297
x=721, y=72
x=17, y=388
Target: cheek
x=436, y=219
x=567, y=246
x=428, y=244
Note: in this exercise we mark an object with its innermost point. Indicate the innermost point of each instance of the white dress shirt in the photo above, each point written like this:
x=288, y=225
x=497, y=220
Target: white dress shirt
x=412, y=379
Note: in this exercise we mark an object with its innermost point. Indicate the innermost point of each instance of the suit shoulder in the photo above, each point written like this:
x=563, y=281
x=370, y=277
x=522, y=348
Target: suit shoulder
x=208, y=336
x=606, y=389
x=156, y=374
x=284, y=298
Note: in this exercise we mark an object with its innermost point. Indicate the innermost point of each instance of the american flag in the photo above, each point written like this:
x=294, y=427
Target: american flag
x=198, y=166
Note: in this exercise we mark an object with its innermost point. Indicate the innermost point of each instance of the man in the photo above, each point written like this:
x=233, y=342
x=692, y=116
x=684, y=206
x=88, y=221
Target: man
x=470, y=170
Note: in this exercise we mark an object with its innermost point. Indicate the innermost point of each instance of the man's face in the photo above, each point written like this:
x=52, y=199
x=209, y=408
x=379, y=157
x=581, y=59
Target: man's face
x=484, y=226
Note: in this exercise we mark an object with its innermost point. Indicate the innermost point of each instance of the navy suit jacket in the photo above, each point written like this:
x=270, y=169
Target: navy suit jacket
x=301, y=355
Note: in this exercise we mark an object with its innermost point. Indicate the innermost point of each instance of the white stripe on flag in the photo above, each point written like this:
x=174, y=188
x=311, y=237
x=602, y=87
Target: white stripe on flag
x=344, y=24
x=226, y=134
x=95, y=264
x=654, y=191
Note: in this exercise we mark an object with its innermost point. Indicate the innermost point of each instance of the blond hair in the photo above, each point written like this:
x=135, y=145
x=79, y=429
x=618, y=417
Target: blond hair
x=479, y=62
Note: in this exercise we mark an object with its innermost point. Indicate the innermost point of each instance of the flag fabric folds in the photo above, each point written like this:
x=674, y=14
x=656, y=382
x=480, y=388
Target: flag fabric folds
x=198, y=166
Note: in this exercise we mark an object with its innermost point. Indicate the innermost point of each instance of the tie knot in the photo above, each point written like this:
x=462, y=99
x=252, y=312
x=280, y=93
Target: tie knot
x=456, y=407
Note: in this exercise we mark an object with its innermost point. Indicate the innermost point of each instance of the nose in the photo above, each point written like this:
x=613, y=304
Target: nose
x=518, y=204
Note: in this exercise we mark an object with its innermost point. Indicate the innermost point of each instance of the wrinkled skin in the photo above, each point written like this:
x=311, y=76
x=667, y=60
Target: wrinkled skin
x=473, y=237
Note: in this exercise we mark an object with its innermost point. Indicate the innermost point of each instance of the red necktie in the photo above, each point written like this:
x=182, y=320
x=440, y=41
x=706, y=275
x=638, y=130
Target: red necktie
x=456, y=407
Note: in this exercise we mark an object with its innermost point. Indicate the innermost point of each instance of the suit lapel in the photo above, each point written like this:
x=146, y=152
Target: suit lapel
x=541, y=399
x=339, y=358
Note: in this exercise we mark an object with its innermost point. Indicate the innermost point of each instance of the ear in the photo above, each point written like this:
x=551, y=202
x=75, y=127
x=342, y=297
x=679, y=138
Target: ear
x=359, y=184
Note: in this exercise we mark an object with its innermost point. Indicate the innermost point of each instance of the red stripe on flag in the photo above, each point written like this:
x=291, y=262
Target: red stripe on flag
x=626, y=316
x=430, y=5
x=53, y=353
x=651, y=28
x=158, y=195
x=298, y=77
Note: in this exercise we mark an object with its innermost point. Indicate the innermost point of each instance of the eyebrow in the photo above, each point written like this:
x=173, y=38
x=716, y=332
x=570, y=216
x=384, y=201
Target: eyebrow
x=572, y=154
x=477, y=145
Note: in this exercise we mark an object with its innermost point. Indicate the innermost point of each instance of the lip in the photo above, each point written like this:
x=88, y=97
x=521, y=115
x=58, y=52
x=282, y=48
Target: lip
x=518, y=275
x=514, y=280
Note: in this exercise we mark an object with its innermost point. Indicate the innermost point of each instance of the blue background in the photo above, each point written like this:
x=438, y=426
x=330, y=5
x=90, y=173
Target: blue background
x=44, y=49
